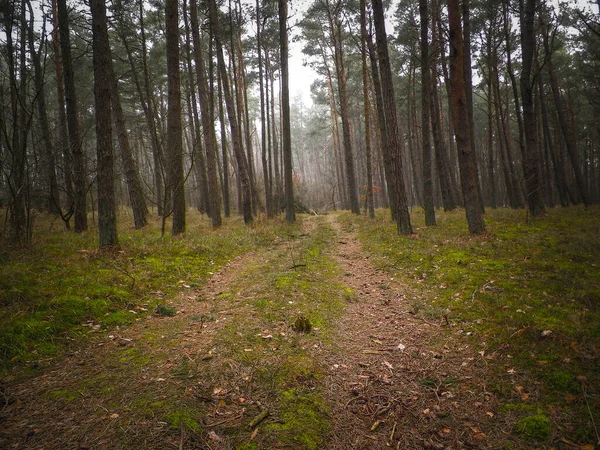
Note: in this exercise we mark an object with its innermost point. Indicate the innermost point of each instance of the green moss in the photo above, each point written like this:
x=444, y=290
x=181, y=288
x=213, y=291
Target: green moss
x=248, y=446
x=304, y=422
x=184, y=418
x=64, y=395
x=507, y=407
x=536, y=428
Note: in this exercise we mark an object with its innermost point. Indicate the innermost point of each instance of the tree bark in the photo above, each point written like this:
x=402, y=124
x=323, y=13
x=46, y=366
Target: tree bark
x=53, y=200
x=367, y=109
x=562, y=119
x=80, y=222
x=425, y=116
x=233, y=120
x=130, y=167
x=466, y=159
x=531, y=156
x=290, y=214
x=208, y=128
x=174, y=128
x=263, y=118
x=102, y=61
x=393, y=135
x=336, y=37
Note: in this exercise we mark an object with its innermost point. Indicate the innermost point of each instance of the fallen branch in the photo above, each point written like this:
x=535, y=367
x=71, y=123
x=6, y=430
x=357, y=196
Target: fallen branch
x=259, y=418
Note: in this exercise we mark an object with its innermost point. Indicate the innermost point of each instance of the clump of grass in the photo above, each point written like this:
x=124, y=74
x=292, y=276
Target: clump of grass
x=531, y=290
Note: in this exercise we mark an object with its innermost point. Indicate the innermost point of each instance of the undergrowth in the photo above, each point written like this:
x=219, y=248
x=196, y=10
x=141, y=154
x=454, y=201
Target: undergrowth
x=526, y=294
x=63, y=288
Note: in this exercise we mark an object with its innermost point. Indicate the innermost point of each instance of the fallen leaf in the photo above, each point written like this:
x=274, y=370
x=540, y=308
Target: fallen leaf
x=214, y=436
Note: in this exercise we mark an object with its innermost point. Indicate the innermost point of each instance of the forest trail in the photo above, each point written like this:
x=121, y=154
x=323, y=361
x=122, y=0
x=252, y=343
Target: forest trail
x=378, y=377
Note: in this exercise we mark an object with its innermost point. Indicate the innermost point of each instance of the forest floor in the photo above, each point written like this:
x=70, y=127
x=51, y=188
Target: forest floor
x=237, y=366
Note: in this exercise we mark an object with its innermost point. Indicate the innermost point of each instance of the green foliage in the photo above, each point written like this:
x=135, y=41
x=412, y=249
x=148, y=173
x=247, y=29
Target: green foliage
x=64, y=288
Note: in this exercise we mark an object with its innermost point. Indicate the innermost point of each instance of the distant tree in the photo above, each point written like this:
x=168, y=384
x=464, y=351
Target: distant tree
x=107, y=218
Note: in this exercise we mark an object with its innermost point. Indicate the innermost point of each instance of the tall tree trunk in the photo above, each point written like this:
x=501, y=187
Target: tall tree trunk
x=278, y=197
x=466, y=159
x=80, y=223
x=336, y=36
x=63, y=134
x=559, y=172
x=174, y=127
x=130, y=167
x=531, y=156
x=263, y=118
x=224, y=151
x=208, y=128
x=393, y=135
x=53, y=200
x=562, y=119
x=367, y=112
x=290, y=214
x=198, y=153
x=383, y=132
x=466, y=13
x=425, y=116
x=233, y=120
x=107, y=217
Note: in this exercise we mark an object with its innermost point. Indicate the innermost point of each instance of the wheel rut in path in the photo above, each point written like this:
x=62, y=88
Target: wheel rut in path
x=397, y=380
x=119, y=390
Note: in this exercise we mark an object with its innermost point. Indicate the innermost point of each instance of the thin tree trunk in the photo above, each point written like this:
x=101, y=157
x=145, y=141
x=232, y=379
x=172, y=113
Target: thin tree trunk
x=198, y=153
x=63, y=134
x=425, y=116
x=233, y=120
x=208, y=128
x=562, y=120
x=53, y=200
x=130, y=168
x=469, y=90
x=75, y=142
x=263, y=118
x=290, y=214
x=367, y=112
x=336, y=36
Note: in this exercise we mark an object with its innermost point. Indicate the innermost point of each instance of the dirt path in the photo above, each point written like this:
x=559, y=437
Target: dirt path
x=393, y=379
x=401, y=381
